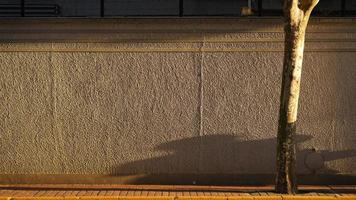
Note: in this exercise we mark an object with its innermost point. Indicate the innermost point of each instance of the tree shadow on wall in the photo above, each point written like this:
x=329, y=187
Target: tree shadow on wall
x=224, y=159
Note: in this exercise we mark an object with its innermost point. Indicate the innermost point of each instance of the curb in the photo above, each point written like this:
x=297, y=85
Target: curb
x=353, y=197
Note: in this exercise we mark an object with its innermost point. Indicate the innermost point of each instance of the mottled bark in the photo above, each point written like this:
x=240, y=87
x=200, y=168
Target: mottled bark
x=296, y=17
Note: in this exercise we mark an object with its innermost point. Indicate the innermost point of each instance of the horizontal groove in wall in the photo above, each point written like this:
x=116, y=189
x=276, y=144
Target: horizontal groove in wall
x=169, y=50
x=148, y=41
x=149, y=31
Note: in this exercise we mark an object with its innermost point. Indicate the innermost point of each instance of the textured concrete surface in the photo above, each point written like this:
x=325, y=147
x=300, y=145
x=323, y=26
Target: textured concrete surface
x=193, y=96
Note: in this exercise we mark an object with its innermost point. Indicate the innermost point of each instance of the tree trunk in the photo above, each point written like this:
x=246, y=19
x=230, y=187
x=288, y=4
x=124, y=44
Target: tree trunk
x=296, y=17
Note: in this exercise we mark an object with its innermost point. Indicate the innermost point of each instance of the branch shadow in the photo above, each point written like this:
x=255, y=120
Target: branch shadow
x=200, y=160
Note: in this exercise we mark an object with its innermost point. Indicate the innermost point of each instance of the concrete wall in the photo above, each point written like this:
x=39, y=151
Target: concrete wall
x=151, y=98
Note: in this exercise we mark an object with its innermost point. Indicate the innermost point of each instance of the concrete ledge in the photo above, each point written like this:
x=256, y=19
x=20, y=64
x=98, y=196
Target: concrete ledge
x=73, y=181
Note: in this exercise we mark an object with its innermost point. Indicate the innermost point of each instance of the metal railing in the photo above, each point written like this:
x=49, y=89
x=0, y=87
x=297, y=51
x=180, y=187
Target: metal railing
x=53, y=10
x=23, y=10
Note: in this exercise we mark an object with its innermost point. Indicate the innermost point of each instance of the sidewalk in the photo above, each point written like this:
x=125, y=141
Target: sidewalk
x=161, y=192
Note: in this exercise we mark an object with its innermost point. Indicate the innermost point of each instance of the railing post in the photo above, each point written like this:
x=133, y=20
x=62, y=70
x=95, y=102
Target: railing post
x=22, y=8
x=260, y=8
x=180, y=8
x=102, y=8
x=343, y=7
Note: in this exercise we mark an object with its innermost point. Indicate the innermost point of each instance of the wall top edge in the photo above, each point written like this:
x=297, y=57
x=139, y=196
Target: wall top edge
x=197, y=29
x=20, y=20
